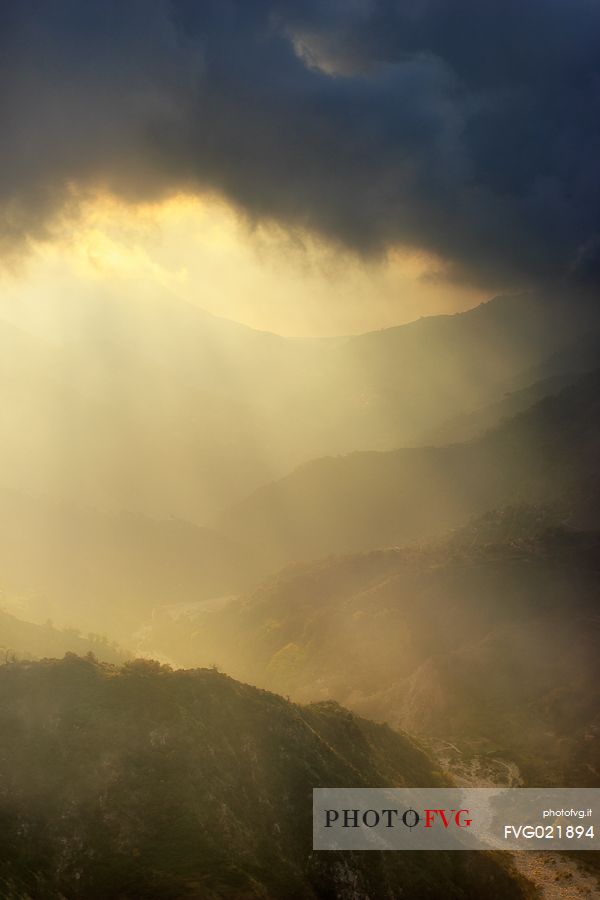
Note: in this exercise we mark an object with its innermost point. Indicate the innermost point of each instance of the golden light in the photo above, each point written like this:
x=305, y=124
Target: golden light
x=202, y=251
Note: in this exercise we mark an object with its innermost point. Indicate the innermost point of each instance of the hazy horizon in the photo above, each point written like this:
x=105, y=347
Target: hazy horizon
x=299, y=437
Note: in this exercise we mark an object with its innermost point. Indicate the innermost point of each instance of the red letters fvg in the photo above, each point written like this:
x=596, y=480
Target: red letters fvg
x=456, y=817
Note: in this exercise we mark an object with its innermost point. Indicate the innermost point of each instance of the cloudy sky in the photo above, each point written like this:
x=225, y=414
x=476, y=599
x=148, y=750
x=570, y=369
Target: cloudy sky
x=312, y=166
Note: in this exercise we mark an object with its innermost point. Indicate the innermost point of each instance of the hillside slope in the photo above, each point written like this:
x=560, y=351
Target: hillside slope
x=98, y=571
x=546, y=454
x=148, y=783
x=411, y=379
x=490, y=639
x=521, y=391
x=26, y=640
x=152, y=405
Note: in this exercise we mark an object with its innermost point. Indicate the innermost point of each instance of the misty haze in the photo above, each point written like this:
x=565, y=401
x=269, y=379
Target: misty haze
x=299, y=433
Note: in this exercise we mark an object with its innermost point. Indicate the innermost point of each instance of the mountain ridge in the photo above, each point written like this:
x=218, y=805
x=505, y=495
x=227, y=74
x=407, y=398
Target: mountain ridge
x=188, y=784
x=377, y=498
x=488, y=639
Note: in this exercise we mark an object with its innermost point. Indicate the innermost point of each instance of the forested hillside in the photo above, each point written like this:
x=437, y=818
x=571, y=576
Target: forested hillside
x=489, y=639
x=169, y=785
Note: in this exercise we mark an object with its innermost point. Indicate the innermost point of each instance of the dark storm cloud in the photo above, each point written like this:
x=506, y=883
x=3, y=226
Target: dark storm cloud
x=469, y=128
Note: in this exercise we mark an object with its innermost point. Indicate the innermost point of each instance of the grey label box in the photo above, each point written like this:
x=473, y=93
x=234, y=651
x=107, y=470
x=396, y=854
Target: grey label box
x=456, y=819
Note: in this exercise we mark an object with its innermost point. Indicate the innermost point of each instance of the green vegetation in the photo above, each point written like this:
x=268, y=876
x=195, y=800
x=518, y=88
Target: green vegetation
x=143, y=783
x=25, y=640
x=479, y=636
x=488, y=639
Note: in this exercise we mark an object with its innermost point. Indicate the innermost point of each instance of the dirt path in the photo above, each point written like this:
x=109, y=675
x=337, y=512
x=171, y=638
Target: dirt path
x=556, y=876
